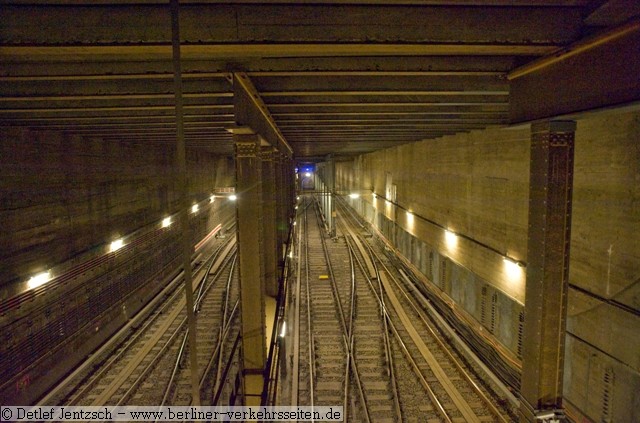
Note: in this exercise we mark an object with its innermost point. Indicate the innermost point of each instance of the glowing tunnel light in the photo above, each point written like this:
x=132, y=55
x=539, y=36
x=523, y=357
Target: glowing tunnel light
x=513, y=268
x=354, y=195
x=307, y=174
x=410, y=219
x=116, y=245
x=166, y=222
x=283, y=329
x=39, y=279
x=233, y=197
x=451, y=238
x=194, y=208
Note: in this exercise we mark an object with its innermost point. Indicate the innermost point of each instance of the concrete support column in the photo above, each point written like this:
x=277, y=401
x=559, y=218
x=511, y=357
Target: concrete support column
x=290, y=188
x=325, y=195
x=551, y=183
x=281, y=194
x=183, y=187
x=251, y=253
x=331, y=191
x=269, y=219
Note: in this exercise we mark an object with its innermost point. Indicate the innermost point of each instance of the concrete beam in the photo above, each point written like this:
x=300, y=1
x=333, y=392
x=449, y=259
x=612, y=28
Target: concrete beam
x=152, y=102
x=345, y=65
x=380, y=82
x=613, y=12
x=282, y=225
x=250, y=111
x=342, y=109
x=250, y=253
x=124, y=86
x=595, y=73
x=407, y=92
x=383, y=115
x=255, y=51
x=130, y=24
x=391, y=100
x=269, y=219
x=114, y=111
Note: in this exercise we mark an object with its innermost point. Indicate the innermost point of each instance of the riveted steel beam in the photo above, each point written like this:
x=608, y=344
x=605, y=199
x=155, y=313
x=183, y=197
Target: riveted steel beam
x=250, y=111
x=549, y=236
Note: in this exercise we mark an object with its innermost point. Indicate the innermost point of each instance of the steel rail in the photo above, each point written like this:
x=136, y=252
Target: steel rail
x=414, y=366
x=218, y=353
x=431, y=330
x=223, y=332
x=312, y=365
x=147, y=348
x=130, y=341
x=105, y=367
x=350, y=359
x=149, y=367
x=387, y=343
x=386, y=340
x=366, y=269
x=444, y=347
x=296, y=327
x=220, y=260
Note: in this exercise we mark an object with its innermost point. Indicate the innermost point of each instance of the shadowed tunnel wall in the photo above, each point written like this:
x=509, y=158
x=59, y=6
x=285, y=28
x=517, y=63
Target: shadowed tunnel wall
x=476, y=186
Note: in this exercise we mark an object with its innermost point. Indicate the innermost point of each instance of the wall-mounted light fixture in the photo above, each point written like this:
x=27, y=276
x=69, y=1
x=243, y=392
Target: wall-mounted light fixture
x=39, y=279
x=513, y=267
x=410, y=219
x=513, y=261
x=194, y=208
x=166, y=222
x=451, y=238
x=233, y=197
x=116, y=245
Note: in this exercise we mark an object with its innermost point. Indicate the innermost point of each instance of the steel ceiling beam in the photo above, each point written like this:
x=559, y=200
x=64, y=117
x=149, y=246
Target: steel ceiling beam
x=250, y=111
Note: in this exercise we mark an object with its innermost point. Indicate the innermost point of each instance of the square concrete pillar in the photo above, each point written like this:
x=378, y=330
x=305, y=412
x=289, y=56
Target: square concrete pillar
x=251, y=266
x=281, y=215
x=269, y=220
x=549, y=235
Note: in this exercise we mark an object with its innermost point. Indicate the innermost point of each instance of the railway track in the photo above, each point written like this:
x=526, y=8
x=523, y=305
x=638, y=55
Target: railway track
x=147, y=366
x=333, y=296
x=369, y=345
x=457, y=391
x=322, y=347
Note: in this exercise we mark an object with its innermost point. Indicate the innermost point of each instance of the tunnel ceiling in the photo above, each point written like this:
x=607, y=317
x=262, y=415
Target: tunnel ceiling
x=339, y=77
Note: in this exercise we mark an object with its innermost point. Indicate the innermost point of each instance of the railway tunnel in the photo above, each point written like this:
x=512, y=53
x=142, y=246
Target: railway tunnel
x=479, y=160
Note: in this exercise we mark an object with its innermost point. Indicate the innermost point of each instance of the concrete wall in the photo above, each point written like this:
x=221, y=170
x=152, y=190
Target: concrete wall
x=476, y=186
x=61, y=196
x=63, y=200
x=603, y=325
